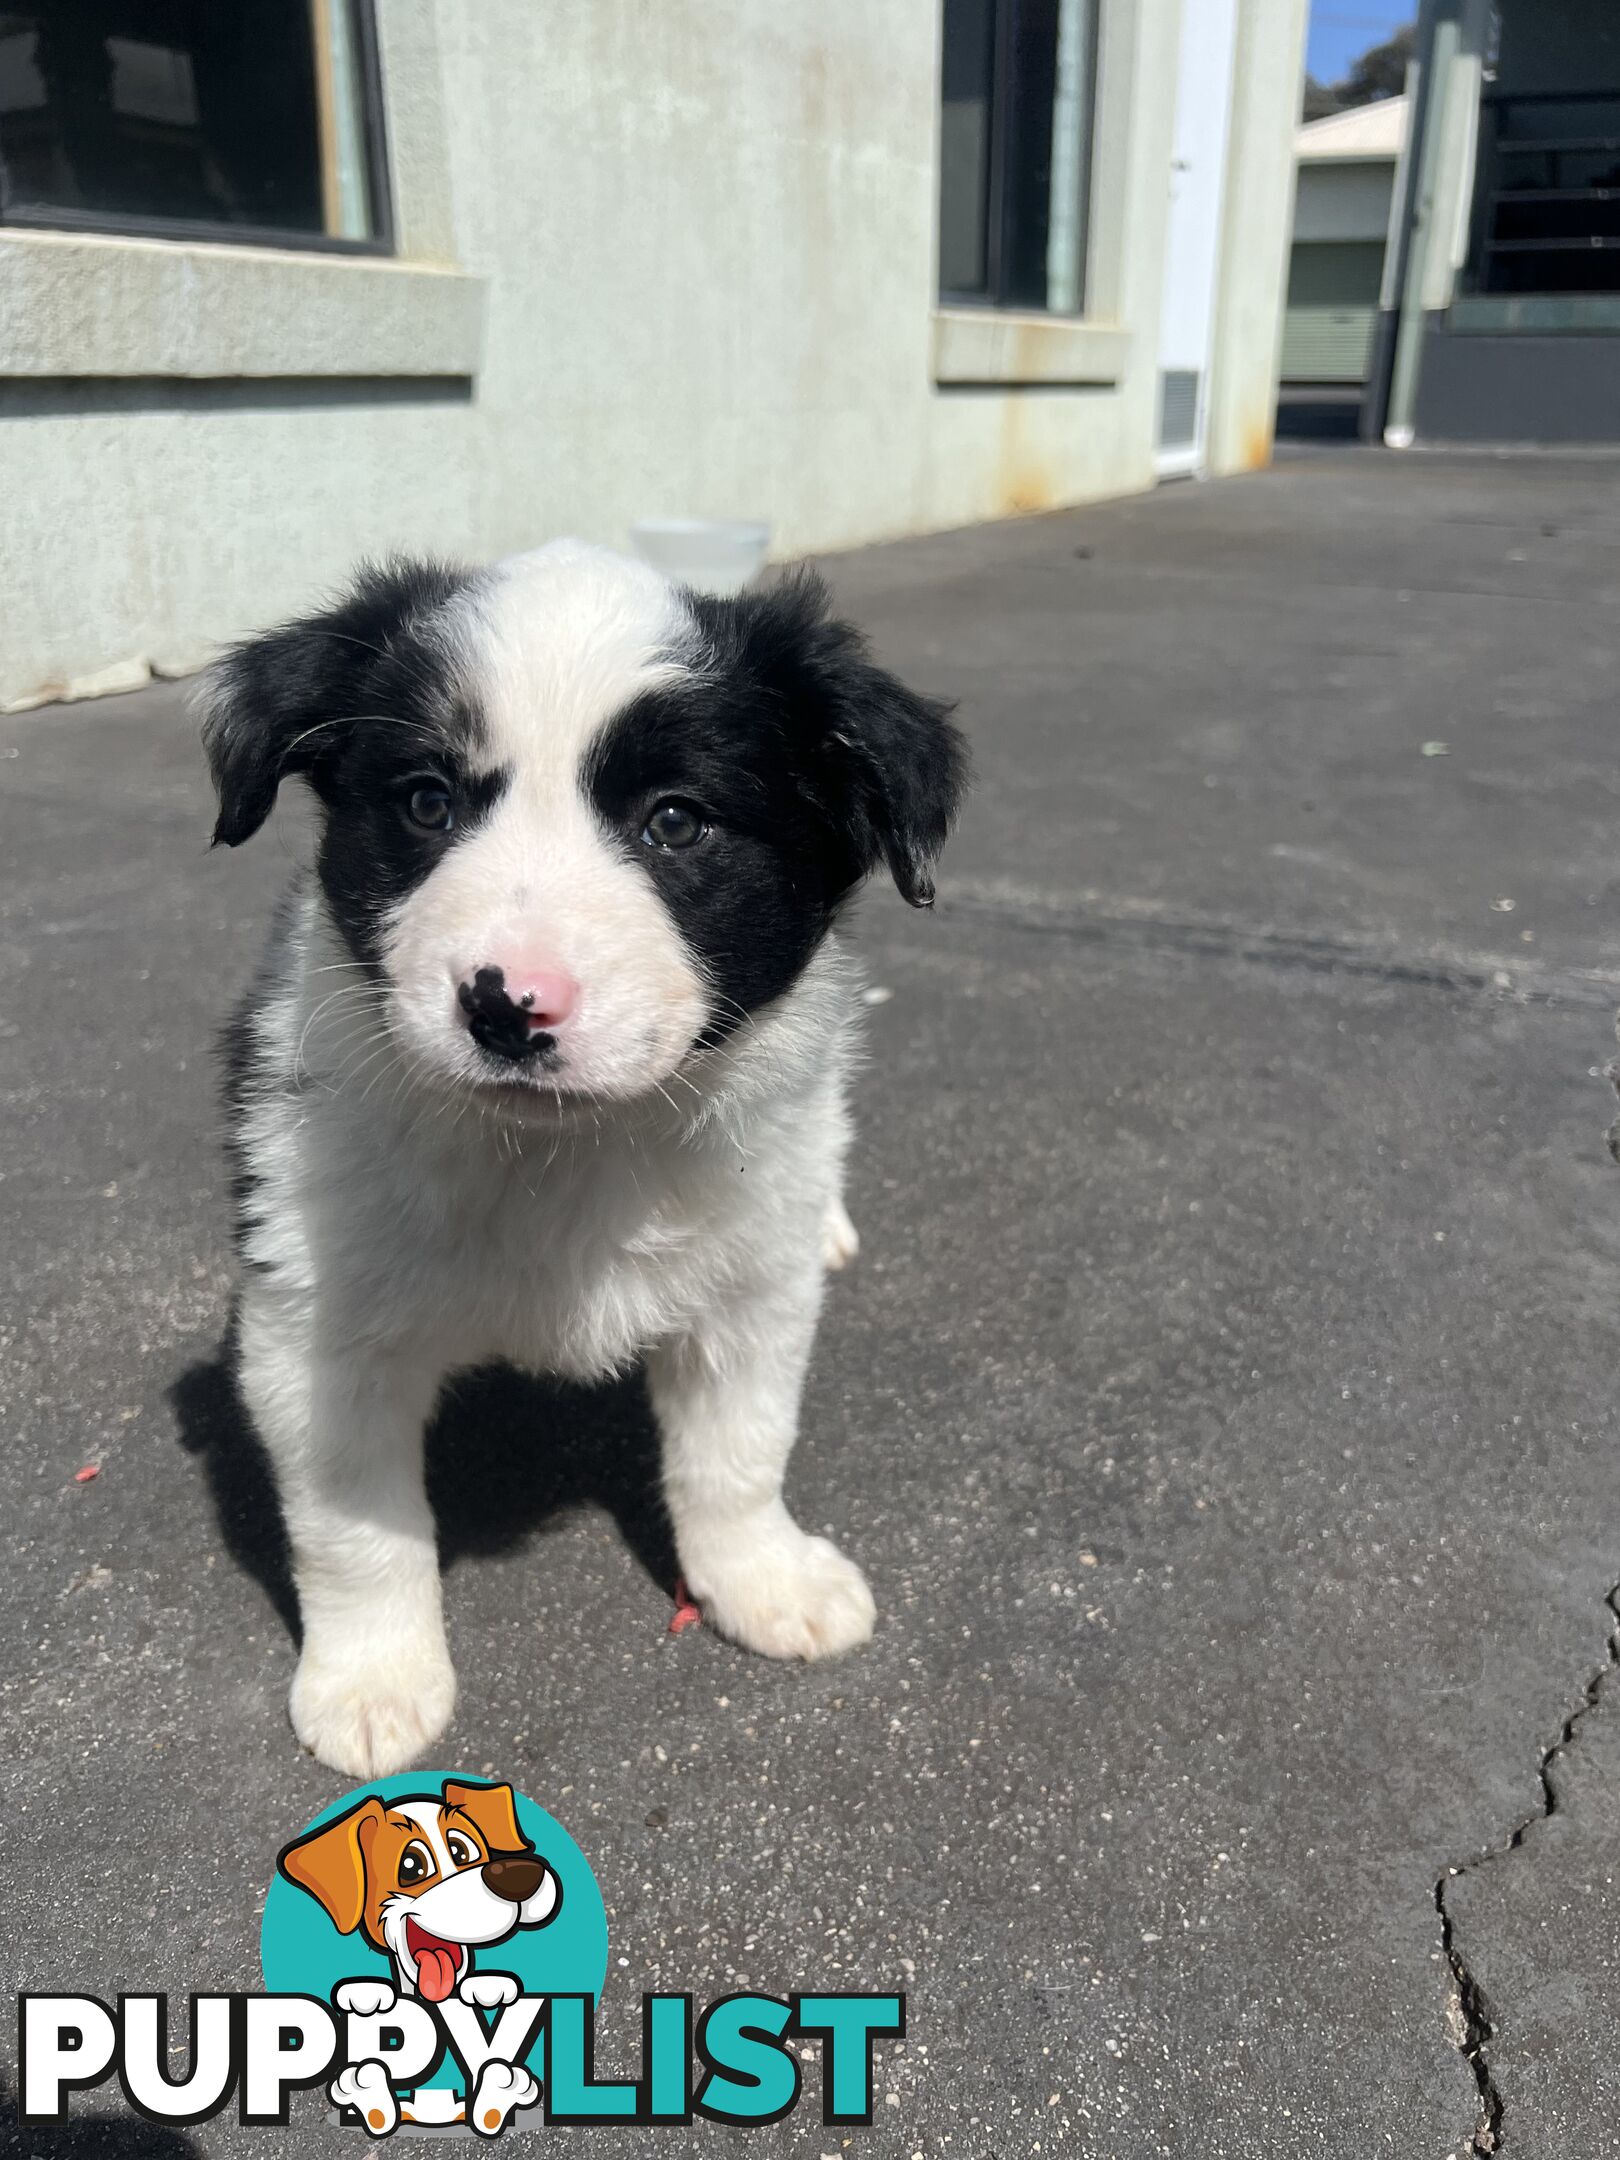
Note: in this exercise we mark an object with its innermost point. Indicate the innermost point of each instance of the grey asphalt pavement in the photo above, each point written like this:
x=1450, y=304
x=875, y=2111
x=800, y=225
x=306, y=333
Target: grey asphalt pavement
x=1222, y=1403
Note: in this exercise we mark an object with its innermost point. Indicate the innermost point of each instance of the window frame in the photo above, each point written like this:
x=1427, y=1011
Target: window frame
x=209, y=232
x=994, y=299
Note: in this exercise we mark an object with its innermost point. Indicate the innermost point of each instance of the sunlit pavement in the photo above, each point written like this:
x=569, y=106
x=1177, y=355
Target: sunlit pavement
x=1221, y=1403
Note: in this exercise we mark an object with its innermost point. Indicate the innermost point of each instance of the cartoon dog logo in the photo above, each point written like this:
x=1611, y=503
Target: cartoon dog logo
x=428, y=1879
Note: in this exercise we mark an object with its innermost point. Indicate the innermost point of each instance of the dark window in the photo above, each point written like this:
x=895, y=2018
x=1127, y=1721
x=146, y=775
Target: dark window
x=1015, y=152
x=231, y=119
x=1547, y=193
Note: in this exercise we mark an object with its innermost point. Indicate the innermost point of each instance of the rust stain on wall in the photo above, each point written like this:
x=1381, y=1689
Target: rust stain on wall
x=1024, y=492
x=1023, y=481
x=1257, y=438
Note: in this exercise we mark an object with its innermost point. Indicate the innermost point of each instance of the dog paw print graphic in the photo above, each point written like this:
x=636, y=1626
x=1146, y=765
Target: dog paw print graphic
x=436, y=1914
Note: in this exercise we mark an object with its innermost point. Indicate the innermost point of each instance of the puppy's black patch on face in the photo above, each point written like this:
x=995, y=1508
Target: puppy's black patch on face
x=367, y=703
x=373, y=850
x=805, y=763
x=754, y=895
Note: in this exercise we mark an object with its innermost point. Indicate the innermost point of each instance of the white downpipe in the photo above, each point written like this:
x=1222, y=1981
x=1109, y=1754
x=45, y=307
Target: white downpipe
x=1066, y=207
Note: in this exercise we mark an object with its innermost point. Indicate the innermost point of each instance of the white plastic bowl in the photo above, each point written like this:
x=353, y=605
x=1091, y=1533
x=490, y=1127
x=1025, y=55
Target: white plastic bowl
x=716, y=555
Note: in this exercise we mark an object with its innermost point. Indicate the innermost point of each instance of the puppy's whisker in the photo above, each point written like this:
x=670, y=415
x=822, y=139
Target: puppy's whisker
x=348, y=990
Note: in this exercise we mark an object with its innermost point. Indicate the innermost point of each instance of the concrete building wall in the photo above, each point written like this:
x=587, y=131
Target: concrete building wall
x=708, y=228
x=1341, y=217
x=1256, y=219
x=657, y=256
x=1348, y=201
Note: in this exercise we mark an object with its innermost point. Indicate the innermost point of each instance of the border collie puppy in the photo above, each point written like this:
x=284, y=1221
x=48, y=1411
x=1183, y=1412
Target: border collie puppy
x=548, y=1062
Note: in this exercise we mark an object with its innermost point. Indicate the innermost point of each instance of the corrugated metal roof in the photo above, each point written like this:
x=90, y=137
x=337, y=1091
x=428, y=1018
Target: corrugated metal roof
x=1365, y=131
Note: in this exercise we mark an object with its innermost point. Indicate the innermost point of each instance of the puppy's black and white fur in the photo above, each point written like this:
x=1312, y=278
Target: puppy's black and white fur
x=548, y=1062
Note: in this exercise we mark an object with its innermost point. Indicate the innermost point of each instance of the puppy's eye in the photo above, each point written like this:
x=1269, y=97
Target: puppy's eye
x=415, y=1865
x=429, y=807
x=674, y=825
x=462, y=1850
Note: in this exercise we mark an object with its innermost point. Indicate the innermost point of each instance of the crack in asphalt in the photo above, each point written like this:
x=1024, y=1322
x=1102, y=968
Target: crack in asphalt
x=1476, y=2030
x=1103, y=922
x=1099, y=921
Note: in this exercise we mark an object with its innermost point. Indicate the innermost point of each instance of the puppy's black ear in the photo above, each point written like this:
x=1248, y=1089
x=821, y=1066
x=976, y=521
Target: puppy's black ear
x=882, y=763
x=269, y=708
x=277, y=704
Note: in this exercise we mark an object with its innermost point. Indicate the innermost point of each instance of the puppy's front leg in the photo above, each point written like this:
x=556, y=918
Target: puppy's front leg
x=726, y=1394
x=344, y=1431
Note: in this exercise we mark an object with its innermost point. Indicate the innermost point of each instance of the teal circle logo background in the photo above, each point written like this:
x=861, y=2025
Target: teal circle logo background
x=303, y=1954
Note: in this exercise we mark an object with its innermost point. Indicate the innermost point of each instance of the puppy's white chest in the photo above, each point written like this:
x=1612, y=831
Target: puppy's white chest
x=570, y=1266
x=582, y=1274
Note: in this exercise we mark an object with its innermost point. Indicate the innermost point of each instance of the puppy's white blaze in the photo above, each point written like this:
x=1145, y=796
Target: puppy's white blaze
x=560, y=641
x=558, y=644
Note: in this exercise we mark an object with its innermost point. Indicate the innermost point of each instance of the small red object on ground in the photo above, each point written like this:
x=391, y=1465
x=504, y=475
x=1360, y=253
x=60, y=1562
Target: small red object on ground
x=90, y=1470
x=686, y=1613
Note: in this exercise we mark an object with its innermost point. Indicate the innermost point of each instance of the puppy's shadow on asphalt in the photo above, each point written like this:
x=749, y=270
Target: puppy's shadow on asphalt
x=94, y=2137
x=508, y=1457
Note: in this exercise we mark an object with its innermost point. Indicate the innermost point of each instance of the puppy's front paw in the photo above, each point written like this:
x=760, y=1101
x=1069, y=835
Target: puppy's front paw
x=370, y=1719
x=840, y=1240
x=785, y=1595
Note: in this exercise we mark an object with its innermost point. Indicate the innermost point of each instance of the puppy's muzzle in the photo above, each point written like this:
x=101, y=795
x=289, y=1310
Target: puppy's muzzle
x=513, y=1876
x=514, y=1012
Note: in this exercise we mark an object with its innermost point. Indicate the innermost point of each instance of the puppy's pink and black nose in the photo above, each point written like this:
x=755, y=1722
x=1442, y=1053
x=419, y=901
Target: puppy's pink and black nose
x=514, y=1876
x=514, y=1011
